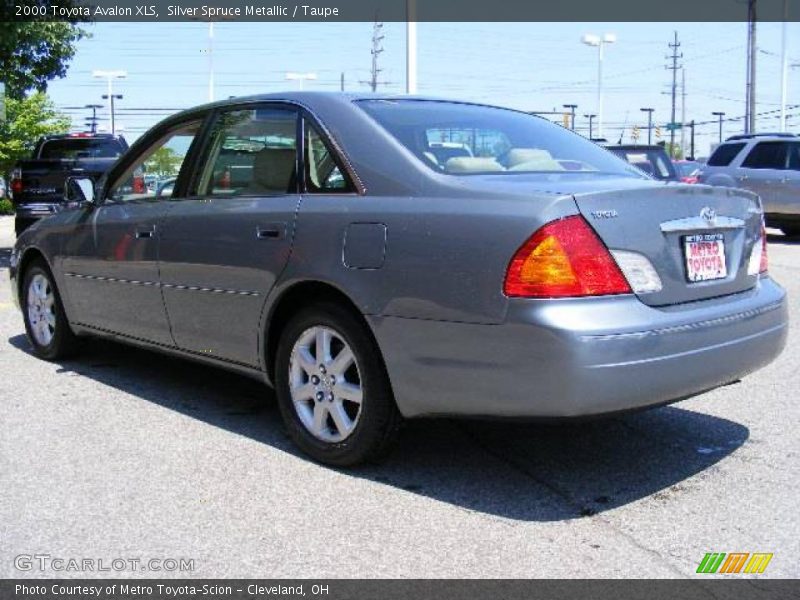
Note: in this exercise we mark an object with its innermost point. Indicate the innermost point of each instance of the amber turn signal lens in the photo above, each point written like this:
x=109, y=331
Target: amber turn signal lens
x=564, y=258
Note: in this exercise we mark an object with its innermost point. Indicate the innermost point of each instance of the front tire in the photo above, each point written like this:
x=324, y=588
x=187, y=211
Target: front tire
x=45, y=322
x=332, y=387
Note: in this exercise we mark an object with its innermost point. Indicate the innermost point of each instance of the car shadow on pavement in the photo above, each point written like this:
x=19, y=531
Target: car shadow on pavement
x=5, y=258
x=512, y=470
x=782, y=239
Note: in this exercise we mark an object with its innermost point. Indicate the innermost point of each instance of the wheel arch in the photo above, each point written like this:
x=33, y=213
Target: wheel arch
x=293, y=299
x=29, y=255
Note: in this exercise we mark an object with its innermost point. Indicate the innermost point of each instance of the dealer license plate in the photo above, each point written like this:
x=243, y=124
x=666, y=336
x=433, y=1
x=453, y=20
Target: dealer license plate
x=705, y=257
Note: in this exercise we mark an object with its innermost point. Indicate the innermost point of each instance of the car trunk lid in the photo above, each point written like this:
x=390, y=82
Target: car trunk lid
x=673, y=225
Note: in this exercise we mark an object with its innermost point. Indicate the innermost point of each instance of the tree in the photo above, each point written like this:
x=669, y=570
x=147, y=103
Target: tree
x=31, y=54
x=164, y=162
x=26, y=121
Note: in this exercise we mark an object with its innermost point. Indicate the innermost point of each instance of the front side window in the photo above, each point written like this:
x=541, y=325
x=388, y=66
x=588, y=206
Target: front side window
x=253, y=152
x=464, y=139
x=324, y=173
x=767, y=155
x=153, y=174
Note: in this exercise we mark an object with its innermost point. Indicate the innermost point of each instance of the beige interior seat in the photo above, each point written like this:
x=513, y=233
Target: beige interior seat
x=472, y=164
x=532, y=159
x=273, y=169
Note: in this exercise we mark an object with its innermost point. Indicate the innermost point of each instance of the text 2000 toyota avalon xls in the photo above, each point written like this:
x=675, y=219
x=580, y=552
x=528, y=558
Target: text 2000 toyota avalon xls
x=378, y=258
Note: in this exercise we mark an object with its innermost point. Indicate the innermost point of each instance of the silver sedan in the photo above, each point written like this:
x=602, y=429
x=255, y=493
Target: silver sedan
x=381, y=258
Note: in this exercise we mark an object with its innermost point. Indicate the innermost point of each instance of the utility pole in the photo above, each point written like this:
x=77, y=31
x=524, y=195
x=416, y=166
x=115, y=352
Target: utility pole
x=784, y=65
x=411, y=46
x=341, y=82
x=211, y=61
x=92, y=121
x=591, y=118
x=720, y=115
x=649, y=112
x=750, y=111
x=674, y=68
x=683, y=111
x=377, y=37
x=571, y=108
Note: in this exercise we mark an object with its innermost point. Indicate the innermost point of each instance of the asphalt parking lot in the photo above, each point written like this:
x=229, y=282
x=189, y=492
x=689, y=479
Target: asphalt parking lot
x=122, y=453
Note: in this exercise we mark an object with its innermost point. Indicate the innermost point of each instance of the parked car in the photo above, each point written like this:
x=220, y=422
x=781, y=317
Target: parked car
x=652, y=159
x=37, y=183
x=368, y=284
x=767, y=164
x=687, y=170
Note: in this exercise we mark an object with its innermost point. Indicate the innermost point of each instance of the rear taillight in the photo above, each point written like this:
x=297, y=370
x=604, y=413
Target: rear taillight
x=16, y=181
x=759, y=263
x=764, y=266
x=564, y=258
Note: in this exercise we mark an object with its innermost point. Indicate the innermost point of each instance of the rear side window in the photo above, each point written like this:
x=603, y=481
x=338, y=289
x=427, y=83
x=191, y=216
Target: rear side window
x=794, y=156
x=724, y=154
x=767, y=155
x=76, y=148
x=253, y=153
x=324, y=173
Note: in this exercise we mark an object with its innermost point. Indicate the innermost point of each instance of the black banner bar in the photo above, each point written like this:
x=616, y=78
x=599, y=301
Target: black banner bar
x=399, y=10
x=702, y=588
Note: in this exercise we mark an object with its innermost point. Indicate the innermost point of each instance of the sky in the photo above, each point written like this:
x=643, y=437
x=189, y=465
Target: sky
x=529, y=66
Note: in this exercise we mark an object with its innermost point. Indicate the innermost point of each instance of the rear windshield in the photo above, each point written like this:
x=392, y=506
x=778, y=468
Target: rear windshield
x=652, y=161
x=463, y=139
x=724, y=154
x=74, y=148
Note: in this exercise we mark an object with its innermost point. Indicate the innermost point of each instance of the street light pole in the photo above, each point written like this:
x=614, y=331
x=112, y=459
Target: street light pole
x=720, y=115
x=111, y=98
x=110, y=76
x=599, y=42
x=571, y=108
x=591, y=119
x=649, y=112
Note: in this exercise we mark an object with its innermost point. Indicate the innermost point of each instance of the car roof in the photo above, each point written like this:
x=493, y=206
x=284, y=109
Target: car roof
x=311, y=99
x=635, y=146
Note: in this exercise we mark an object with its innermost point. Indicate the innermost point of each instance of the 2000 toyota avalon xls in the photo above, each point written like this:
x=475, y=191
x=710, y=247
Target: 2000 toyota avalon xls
x=379, y=258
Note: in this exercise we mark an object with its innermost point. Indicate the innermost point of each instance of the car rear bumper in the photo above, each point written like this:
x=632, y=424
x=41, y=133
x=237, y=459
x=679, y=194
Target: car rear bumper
x=578, y=357
x=35, y=210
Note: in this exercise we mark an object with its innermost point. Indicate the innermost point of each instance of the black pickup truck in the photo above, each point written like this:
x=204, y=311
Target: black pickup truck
x=37, y=184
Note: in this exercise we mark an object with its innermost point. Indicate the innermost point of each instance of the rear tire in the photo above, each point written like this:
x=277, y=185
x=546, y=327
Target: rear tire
x=45, y=322
x=332, y=387
x=791, y=230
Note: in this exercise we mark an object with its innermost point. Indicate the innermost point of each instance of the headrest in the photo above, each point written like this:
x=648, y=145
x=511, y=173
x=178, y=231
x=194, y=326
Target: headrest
x=472, y=164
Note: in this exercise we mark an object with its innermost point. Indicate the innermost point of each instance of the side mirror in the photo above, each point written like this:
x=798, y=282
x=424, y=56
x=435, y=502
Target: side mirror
x=79, y=190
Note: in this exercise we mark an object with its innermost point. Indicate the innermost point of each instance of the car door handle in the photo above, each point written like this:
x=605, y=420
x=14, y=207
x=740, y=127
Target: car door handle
x=144, y=234
x=272, y=231
x=743, y=178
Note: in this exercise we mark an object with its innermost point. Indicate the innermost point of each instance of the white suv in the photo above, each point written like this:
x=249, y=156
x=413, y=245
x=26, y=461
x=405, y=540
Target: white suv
x=767, y=164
